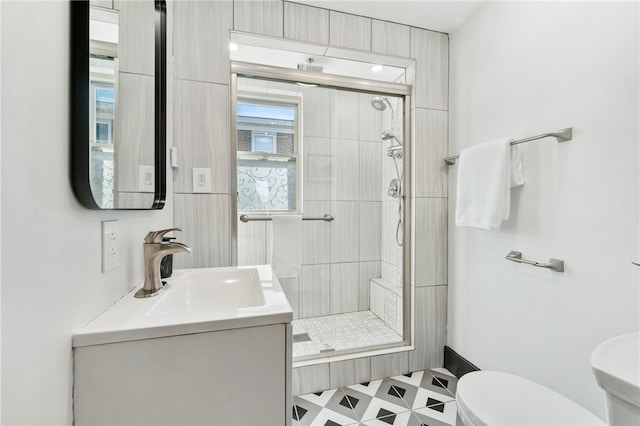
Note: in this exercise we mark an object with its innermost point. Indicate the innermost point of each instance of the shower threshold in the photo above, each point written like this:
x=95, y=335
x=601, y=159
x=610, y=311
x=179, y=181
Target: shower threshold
x=340, y=334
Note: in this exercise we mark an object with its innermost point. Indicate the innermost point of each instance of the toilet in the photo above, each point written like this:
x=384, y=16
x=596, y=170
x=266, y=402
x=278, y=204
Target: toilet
x=497, y=398
x=616, y=365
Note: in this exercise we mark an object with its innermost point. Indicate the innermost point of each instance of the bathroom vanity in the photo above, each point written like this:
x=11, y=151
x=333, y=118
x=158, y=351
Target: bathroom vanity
x=213, y=348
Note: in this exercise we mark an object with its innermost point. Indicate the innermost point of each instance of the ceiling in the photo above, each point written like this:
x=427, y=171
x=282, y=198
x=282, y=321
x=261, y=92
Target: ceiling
x=439, y=15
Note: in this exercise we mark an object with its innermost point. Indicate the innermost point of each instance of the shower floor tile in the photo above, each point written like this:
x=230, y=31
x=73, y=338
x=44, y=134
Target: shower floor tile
x=418, y=398
x=340, y=332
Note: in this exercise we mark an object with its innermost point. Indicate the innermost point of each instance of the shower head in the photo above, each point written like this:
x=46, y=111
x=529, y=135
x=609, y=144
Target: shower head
x=378, y=103
x=388, y=134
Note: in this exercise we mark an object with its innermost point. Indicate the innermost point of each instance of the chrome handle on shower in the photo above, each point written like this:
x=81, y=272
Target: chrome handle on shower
x=394, y=188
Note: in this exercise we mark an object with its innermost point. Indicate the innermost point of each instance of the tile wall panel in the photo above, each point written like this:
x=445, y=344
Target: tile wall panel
x=370, y=220
x=389, y=220
x=344, y=287
x=430, y=241
x=390, y=38
x=345, y=114
x=344, y=373
x=259, y=16
x=318, y=179
x=347, y=170
x=317, y=111
x=316, y=234
x=291, y=288
x=203, y=218
x=344, y=232
x=431, y=50
x=201, y=40
x=306, y=23
x=431, y=147
x=315, y=290
x=252, y=237
x=389, y=365
x=431, y=328
x=367, y=270
x=201, y=133
x=349, y=31
x=370, y=159
x=309, y=379
x=370, y=120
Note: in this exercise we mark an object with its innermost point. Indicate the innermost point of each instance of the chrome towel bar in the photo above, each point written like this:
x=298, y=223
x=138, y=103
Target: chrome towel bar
x=553, y=264
x=560, y=135
x=245, y=218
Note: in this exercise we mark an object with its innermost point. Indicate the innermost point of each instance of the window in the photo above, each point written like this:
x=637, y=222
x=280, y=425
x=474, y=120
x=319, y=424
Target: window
x=263, y=143
x=268, y=169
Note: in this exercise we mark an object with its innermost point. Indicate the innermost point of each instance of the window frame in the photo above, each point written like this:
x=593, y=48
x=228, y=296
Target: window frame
x=262, y=96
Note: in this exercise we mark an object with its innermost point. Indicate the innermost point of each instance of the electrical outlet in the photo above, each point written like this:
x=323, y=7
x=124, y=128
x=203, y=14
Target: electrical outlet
x=110, y=250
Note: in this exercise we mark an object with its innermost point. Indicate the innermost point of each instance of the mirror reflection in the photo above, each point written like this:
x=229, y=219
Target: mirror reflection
x=122, y=105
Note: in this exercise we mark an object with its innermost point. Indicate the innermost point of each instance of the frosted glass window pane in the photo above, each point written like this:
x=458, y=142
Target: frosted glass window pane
x=266, y=185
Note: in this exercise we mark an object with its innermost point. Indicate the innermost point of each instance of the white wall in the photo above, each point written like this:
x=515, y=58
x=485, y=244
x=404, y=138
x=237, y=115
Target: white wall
x=520, y=69
x=51, y=279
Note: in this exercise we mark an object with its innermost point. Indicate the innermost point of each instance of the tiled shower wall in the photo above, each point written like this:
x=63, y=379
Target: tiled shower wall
x=201, y=133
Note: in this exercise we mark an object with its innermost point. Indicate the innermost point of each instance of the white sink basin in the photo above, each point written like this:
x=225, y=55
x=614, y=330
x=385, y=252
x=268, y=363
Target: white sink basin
x=202, y=290
x=616, y=365
x=193, y=301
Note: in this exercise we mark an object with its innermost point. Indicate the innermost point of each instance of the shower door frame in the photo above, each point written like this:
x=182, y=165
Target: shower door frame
x=374, y=87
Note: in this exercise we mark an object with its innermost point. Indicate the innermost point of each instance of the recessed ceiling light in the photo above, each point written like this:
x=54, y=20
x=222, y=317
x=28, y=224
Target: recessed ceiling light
x=233, y=47
x=377, y=68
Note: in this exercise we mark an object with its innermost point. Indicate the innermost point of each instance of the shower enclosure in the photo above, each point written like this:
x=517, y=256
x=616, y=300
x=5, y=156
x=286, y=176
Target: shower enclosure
x=326, y=147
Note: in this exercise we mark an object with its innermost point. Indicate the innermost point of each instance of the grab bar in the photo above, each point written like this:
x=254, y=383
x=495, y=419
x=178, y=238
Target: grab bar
x=245, y=218
x=560, y=135
x=553, y=264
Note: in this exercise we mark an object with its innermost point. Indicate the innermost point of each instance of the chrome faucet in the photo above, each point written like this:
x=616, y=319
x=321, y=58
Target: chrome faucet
x=154, y=251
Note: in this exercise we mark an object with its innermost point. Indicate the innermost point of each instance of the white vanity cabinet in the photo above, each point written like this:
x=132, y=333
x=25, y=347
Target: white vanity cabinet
x=227, y=371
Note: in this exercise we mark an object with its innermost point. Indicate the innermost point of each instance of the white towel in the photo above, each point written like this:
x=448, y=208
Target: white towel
x=286, y=248
x=486, y=173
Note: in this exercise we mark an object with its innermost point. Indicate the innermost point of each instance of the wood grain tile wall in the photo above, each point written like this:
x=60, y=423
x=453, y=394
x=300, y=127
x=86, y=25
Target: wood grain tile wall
x=201, y=55
x=201, y=40
x=259, y=17
x=201, y=133
x=306, y=23
x=351, y=31
x=390, y=38
x=431, y=51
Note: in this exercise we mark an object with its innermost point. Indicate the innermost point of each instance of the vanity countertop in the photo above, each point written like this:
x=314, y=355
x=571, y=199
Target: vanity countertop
x=175, y=311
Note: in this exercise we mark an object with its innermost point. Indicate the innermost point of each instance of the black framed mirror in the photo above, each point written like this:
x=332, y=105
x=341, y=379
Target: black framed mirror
x=118, y=103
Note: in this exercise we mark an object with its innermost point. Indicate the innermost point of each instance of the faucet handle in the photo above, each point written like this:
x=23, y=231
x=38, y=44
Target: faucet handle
x=155, y=237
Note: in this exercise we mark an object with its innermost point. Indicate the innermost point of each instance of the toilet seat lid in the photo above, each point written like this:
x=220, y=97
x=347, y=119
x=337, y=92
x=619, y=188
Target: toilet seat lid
x=496, y=398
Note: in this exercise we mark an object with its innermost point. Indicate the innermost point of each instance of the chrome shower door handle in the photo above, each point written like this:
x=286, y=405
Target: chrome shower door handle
x=635, y=263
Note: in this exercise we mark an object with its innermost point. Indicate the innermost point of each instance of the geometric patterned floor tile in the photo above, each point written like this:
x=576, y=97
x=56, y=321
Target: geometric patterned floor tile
x=379, y=408
x=434, y=384
x=447, y=380
x=359, y=401
x=427, y=398
x=397, y=392
x=400, y=419
x=445, y=413
x=367, y=388
x=414, y=399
